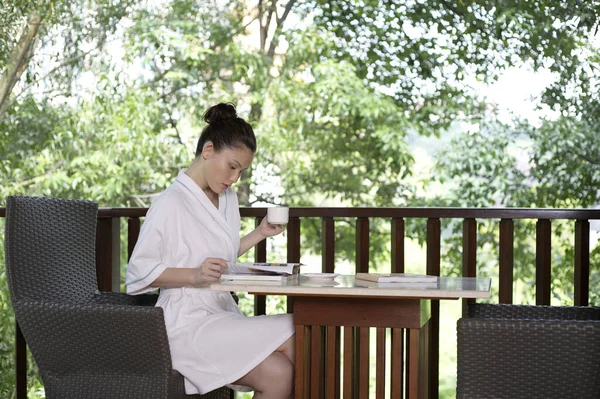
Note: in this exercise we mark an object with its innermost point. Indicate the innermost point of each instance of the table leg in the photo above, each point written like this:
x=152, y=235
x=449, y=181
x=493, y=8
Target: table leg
x=332, y=368
x=416, y=369
x=397, y=363
x=380, y=364
x=363, y=362
x=302, y=378
x=348, y=362
x=356, y=316
x=317, y=372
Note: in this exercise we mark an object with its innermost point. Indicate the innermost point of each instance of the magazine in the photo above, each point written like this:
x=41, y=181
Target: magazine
x=255, y=277
x=263, y=268
x=397, y=277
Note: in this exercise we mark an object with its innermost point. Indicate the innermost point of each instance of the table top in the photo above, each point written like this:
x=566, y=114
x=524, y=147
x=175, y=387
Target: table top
x=348, y=286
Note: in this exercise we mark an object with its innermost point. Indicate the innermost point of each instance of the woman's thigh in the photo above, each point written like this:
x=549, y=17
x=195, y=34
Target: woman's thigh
x=288, y=348
x=274, y=374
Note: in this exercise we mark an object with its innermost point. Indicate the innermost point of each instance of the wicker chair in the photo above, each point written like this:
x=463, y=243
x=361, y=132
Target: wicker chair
x=87, y=344
x=519, y=351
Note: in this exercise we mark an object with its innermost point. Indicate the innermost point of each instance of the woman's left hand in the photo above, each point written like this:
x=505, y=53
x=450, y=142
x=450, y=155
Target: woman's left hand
x=267, y=229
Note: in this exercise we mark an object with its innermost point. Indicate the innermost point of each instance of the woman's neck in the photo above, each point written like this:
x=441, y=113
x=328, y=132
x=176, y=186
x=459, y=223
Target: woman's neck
x=196, y=173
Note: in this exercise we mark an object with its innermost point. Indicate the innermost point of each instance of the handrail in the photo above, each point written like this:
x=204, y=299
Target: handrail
x=442, y=213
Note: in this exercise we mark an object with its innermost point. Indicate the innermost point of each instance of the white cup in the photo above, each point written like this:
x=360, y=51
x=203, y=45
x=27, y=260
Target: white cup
x=278, y=214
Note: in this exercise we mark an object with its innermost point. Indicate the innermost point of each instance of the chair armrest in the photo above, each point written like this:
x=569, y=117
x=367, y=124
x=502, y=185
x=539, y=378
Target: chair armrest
x=528, y=358
x=121, y=298
x=505, y=311
x=68, y=339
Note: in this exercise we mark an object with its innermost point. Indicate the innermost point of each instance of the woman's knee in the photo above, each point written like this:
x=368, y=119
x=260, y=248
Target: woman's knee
x=288, y=348
x=279, y=368
x=274, y=375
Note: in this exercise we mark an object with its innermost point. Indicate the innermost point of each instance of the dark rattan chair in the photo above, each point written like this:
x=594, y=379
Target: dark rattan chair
x=519, y=351
x=87, y=344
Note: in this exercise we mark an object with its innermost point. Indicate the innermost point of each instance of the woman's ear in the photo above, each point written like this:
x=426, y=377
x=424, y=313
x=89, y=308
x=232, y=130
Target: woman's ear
x=208, y=150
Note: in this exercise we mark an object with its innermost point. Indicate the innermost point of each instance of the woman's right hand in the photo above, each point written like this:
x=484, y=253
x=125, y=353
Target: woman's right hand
x=210, y=271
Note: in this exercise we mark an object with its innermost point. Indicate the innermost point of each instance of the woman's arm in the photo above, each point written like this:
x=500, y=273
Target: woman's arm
x=264, y=230
x=209, y=271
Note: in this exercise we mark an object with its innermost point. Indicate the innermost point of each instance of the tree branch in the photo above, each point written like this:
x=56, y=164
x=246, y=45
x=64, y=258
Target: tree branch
x=279, y=28
x=19, y=60
x=56, y=68
x=263, y=33
x=587, y=158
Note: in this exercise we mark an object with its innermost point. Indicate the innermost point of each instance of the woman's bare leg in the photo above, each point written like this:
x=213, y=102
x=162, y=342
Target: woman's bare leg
x=273, y=378
x=288, y=348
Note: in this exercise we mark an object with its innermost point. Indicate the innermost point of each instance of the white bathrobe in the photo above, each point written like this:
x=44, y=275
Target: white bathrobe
x=212, y=343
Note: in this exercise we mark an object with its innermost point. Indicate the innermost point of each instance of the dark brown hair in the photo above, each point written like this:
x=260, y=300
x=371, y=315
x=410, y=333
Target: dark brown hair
x=226, y=129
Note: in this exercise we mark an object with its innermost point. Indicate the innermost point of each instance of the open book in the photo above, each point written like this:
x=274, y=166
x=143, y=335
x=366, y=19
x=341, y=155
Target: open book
x=397, y=278
x=261, y=271
x=267, y=278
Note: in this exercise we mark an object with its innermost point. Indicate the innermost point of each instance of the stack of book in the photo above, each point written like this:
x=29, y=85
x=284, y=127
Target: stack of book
x=399, y=280
x=278, y=272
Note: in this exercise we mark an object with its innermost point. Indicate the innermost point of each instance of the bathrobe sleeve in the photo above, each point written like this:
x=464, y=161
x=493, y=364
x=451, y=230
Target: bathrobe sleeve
x=150, y=256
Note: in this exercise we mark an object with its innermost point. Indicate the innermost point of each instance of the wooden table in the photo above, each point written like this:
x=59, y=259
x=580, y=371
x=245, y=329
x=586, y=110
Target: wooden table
x=324, y=308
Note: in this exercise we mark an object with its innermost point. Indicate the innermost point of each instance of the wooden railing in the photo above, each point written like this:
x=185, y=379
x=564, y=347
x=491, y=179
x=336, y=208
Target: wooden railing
x=108, y=252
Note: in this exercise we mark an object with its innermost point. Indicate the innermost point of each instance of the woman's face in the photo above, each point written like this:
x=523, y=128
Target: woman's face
x=224, y=168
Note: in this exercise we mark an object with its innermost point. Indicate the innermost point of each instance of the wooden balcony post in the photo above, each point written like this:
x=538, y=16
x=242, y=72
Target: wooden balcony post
x=582, y=263
x=469, y=260
x=293, y=249
x=506, y=254
x=328, y=245
x=260, y=255
x=397, y=245
x=133, y=232
x=362, y=245
x=293, y=240
x=543, y=252
x=108, y=254
x=20, y=363
x=433, y=268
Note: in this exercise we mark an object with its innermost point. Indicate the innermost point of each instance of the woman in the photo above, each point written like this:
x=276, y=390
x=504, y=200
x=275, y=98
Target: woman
x=191, y=232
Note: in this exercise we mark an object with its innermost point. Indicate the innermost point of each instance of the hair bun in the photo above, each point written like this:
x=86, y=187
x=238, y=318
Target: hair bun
x=220, y=112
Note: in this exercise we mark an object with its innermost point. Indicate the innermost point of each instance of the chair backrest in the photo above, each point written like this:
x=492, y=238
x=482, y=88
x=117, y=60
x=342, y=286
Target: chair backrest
x=528, y=351
x=50, y=247
x=532, y=312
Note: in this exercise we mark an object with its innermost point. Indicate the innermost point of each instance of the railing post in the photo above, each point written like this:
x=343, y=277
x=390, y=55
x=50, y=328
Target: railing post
x=133, y=232
x=293, y=250
x=582, y=263
x=397, y=245
x=293, y=240
x=20, y=363
x=362, y=245
x=328, y=245
x=433, y=268
x=543, y=252
x=469, y=260
x=506, y=256
x=108, y=262
x=260, y=255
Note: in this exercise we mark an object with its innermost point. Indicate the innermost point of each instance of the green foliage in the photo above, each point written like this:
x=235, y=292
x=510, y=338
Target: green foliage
x=566, y=163
x=480, y=170
x=69, y=156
